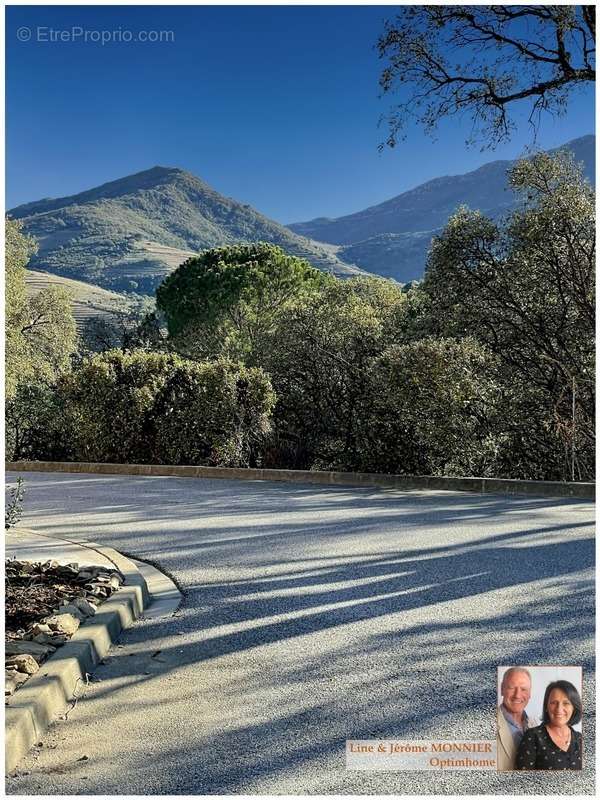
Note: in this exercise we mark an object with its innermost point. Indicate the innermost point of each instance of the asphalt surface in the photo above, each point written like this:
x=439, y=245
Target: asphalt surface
x=313, y=615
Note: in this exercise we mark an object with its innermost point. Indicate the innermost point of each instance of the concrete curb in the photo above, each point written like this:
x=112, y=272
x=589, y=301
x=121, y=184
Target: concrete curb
x=51, y=691
x=502, y=486
x=165, y=597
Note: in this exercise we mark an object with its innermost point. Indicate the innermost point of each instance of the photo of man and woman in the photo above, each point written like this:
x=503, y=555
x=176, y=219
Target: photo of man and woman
x=539, y=718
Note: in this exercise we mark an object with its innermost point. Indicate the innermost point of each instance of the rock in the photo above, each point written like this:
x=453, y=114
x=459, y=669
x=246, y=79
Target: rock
x=42, y=638
x=84, y=606
x=40, y=627
x=84, y=575
x=71, y=569
x=96, y=572
x=71, y=608
x=20, y=566
x=111, y=582
x=99, y=591
x=12, y=681
x=108, y=575
x=63, y=623
x=50, y=564
x=24, y=663
x=37, y=650
x=103, y=584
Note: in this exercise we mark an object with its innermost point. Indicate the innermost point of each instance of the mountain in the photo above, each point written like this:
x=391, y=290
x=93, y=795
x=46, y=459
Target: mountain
x=129, y=233
x=392, y=238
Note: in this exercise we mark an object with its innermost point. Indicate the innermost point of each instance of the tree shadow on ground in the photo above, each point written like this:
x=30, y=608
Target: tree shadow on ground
x=396, y=640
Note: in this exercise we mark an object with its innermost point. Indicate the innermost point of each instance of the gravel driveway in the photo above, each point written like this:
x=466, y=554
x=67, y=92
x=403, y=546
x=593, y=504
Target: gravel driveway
x=313, y=615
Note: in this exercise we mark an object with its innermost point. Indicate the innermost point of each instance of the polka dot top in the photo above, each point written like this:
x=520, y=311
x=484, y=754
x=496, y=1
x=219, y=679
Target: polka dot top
x=538, y=751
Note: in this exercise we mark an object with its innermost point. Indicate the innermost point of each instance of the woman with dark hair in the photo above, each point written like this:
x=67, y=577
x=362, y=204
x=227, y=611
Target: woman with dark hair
x=554, y=744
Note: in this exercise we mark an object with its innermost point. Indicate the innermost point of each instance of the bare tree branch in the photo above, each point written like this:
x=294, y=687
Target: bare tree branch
x=482, y=61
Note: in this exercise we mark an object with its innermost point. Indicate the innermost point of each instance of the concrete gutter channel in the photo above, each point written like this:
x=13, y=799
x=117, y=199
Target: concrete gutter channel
x=503, y=486
x=52, y=690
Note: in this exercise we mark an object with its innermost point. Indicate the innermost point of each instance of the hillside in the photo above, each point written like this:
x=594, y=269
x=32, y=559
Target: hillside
x=88, y=301
x=392, y=238
x=126, y=235
x=400, y=256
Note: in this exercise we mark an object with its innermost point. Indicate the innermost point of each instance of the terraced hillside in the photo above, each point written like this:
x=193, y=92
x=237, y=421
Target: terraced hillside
x=88, y=301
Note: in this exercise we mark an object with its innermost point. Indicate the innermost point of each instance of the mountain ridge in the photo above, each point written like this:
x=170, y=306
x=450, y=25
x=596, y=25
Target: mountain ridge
x=127, y=234
x=581, y=147
x=117, y=235
x=392, y=238
x=96, y=192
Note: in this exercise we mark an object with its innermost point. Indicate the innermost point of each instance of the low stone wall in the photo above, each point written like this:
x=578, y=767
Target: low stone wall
x=478, y=485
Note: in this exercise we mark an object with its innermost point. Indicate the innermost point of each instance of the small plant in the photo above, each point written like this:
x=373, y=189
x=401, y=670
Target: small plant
x=14, y=507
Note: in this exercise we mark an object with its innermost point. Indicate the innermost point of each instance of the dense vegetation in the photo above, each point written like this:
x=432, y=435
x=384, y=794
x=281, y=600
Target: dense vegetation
x=159, y=408
x=256, y=358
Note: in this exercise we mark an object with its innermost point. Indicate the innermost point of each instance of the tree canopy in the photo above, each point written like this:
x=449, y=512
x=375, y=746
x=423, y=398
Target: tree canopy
x=481, y=61
x=525, y=288
x=40, y=331
x=434, y=409
x=319, y=357
x=227, y=299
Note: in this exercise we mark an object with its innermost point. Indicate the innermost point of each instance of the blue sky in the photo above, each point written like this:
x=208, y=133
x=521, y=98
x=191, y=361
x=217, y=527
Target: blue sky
x=274, y=106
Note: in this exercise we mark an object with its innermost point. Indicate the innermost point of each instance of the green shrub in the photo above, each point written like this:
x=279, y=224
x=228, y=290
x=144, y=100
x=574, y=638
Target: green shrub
x=434, y=410
x=35, y=424
x=144, y=407
x=212, y=412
